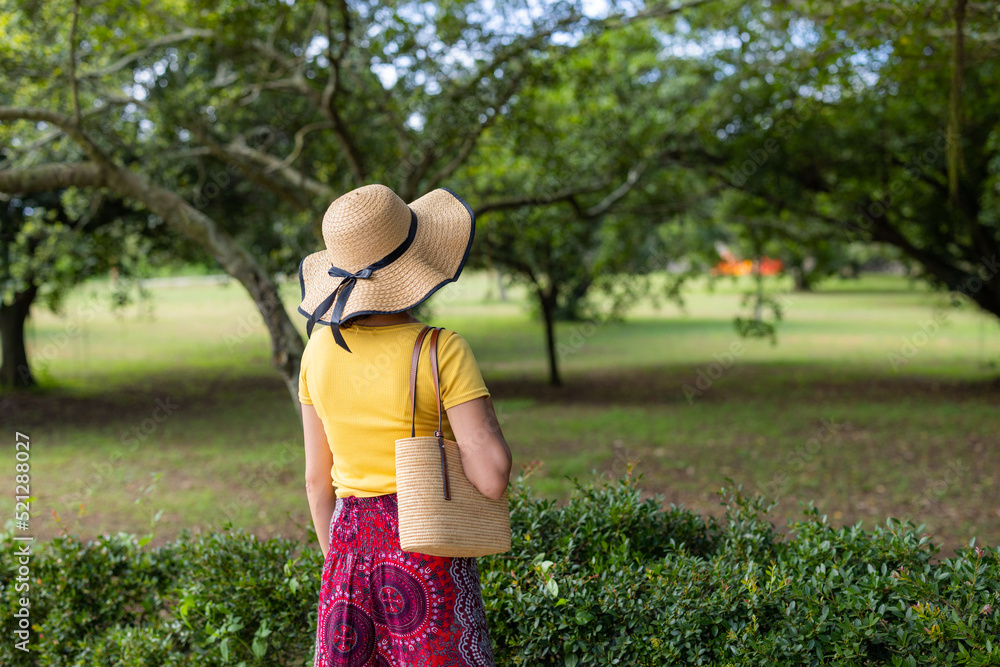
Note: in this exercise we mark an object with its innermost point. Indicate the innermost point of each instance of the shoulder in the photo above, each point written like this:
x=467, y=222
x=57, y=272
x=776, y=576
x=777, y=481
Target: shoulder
x=306, y=351
x=461, y=378
x=452, y=342
x=456, y=355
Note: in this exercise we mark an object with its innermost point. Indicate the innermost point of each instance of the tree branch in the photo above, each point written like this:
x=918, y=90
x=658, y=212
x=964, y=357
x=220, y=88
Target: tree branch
x=26, y=149
x=328, y=104
x=286, y=342
x=473, y=138
x=299, y=144
x=51, y=177
x=883, y=230
x=459, y=92
x=297, y=84
x=880, y=229
x=184, y=35
x=541, y=200
x=975, y=36
x=941, y=188
x=954, y=136
x=660, y=11
x=502, y=56
x=65, y=123
x=287, y=64
x=241, y=154
x=74, y=87
x=602, y=207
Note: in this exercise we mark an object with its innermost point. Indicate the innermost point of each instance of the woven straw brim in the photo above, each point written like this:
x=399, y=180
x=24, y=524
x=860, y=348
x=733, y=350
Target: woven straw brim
x=445, y=229
x=468, y=525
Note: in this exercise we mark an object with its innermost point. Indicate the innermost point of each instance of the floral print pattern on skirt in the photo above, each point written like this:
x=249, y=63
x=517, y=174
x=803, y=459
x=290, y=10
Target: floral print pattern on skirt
x=380, y=606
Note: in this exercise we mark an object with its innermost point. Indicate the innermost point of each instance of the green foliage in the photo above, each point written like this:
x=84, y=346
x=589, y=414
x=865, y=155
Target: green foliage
x=834, y=125
x=80, y=592
x=585, y=136
x=759, y=324
x=245, y=600
x=213, y=599
x=607, y=578
x=673, y=588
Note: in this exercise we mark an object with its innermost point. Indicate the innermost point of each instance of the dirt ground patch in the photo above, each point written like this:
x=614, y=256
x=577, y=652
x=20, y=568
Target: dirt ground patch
x=256, y=411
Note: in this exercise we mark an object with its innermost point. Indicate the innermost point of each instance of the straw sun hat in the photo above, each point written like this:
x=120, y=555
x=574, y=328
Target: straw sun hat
x=383, y=256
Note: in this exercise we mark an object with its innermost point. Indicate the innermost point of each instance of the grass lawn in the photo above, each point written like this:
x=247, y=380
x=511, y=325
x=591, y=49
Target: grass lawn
x=878, y=400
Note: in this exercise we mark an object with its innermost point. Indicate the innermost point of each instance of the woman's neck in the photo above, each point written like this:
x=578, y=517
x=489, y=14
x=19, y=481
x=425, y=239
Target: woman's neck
x=382, y=320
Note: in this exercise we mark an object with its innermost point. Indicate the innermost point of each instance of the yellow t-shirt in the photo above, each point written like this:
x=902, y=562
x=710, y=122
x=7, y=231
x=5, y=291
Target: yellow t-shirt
x=362, y=397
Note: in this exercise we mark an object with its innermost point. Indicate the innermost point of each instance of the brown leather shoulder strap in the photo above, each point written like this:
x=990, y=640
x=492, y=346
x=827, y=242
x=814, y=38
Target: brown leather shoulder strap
x=439, y=434
x=437, y=383
x=413, y=379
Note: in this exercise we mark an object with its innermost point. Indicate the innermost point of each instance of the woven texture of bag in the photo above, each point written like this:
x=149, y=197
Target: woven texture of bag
x=468, y=524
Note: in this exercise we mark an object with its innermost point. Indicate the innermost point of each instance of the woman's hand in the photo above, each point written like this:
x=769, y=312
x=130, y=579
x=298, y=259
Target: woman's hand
x=486, y=457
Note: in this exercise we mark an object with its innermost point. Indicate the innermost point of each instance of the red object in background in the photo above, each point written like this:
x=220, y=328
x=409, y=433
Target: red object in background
x=770, y=267
x=730, y=266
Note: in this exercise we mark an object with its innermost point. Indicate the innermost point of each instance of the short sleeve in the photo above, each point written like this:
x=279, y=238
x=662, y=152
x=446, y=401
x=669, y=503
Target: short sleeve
x=303, y=386
x=461, y=380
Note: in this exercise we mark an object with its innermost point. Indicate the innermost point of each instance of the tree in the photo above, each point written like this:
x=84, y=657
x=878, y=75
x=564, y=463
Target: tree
x=879, y=121
x=601, y=147
x=51, y=242
x=276, y=108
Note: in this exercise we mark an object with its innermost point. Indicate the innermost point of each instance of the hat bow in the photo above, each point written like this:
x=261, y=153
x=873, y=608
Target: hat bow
x=338, y=299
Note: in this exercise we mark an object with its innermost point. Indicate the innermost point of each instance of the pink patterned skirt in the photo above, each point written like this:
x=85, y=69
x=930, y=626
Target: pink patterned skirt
x=381, y=606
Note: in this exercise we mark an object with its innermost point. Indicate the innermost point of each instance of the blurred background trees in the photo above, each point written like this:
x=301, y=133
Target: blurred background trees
x=53, y=241
x=597, y=144
x=873, y=122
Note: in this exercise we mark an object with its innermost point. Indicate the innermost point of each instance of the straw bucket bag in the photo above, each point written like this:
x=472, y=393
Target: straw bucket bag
x=440, y=512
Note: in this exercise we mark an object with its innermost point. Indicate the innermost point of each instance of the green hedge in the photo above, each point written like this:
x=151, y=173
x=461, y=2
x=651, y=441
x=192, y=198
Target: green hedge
x=605, y=579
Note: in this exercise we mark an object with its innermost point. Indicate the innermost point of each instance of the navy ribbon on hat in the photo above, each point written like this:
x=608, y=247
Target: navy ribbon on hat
x=338, y=299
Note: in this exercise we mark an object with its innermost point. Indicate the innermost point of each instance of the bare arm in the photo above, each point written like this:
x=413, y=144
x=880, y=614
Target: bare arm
x=319, y=484
x=486, y=457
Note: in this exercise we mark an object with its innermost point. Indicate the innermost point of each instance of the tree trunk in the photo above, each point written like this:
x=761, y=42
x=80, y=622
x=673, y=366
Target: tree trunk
x=954, y=136
x=500, y=286
x=548, y=305
x=801, y=279
x=15, y=372
x=572, y=308
x=286, y=341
